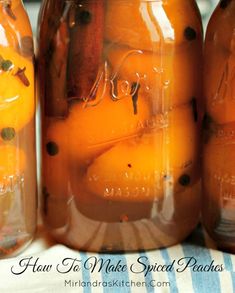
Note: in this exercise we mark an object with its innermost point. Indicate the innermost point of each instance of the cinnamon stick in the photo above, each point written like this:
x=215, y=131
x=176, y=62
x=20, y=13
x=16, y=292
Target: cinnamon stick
x=86, y=45
x=55, y=91
x=49, y=21
x=52, y=64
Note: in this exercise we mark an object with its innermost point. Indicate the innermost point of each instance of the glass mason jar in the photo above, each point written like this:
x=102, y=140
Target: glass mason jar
x=120, y=88
x=17, y=132
x=219, y=127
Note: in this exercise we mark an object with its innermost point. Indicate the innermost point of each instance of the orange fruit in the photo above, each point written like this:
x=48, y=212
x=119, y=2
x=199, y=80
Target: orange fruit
x=16, y=99
x=127, y=172
x=93, y=129
x=146, y=168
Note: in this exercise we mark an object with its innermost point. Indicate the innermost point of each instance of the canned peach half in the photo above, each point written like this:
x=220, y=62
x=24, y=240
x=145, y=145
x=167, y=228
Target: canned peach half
x=16, y=90
x=113, y=116
x=158, y=163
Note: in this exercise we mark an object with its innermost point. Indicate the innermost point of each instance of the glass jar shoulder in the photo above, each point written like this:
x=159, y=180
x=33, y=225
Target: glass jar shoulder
x=143, y=25
x=146, y=25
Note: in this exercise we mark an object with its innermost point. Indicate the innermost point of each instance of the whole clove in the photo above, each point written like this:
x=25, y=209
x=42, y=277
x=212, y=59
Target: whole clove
x=21, y=75
x=135, y=96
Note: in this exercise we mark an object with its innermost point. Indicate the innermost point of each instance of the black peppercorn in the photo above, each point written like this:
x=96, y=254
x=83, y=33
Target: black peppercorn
x=52, y=148
x=224, y=3
x=8, y=133
x=6, y=65
x=84, y=17
x=184, y=180
x=190, y=34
